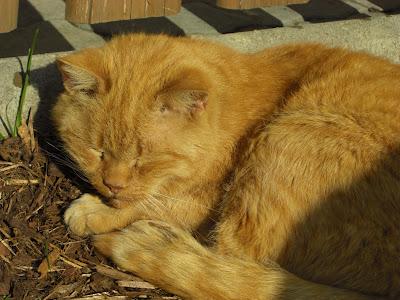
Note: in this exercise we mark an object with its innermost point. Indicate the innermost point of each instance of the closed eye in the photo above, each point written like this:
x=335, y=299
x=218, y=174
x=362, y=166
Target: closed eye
x=136, y=163
x=98, y=152
x=163, y=108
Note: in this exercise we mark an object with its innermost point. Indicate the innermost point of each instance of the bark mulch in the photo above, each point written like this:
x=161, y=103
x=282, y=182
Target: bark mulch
x=39, y=257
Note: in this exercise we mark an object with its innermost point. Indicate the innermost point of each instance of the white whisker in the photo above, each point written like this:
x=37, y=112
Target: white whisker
x=158, y=207
x=186, y=201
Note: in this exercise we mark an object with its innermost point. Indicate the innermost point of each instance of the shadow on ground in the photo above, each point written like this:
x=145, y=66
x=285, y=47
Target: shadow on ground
x=222, y=20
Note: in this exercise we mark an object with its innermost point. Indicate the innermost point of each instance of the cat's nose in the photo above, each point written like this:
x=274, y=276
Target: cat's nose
x=114, y=186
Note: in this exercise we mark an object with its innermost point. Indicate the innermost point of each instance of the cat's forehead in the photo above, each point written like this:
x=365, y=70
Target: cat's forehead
x=119, y=133
x=140, y=82
x=145, y=61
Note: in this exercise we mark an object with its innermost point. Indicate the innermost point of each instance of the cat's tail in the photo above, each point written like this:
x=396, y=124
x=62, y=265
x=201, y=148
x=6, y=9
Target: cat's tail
x=172, y=259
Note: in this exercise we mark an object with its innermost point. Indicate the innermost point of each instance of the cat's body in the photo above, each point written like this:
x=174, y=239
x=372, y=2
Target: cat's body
x=293, y=151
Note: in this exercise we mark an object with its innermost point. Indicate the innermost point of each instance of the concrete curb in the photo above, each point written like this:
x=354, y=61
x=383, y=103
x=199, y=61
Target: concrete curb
x=378, y=35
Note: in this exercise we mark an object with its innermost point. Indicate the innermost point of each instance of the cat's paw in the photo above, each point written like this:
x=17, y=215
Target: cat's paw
x=87, y=215
x=146, y=246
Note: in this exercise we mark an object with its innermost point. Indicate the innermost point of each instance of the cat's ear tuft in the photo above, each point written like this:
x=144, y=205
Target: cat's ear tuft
x=188, y=93
x=186, y=101
x=81, y=73
x=193, y=101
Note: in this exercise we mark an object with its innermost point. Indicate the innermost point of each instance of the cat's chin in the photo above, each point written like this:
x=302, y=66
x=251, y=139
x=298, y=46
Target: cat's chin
x=118, y=203
x=103, y=190
x=122, y=201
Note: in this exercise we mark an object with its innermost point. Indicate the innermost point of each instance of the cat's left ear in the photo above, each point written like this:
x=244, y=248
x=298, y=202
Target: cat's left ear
x=191, y=101
x=186, y=101
x=82, y=72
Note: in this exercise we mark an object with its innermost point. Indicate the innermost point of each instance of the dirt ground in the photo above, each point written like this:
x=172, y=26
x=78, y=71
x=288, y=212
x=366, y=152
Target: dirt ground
x=39, y=257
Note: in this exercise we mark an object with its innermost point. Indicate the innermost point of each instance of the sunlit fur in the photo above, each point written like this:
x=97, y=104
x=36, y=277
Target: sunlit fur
x=292, y=151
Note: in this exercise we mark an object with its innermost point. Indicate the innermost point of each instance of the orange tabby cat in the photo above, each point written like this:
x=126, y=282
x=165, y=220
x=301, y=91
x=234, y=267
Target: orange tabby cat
x=292, y=151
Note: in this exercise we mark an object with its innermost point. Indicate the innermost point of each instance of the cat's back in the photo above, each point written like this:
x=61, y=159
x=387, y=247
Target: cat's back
x=350, y=80
x=347, y=87
x=339, y=127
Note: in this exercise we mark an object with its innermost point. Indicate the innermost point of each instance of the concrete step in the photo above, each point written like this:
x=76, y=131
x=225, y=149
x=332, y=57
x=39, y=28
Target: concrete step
x=378, y=35
x=195, y=18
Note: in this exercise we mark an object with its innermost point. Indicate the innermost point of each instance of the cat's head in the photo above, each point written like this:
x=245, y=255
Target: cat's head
x=134, y=114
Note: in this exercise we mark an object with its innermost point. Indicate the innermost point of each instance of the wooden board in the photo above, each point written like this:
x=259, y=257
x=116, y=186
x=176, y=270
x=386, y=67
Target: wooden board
x=172, y=7
x=78, y=11
x=99, y=11
x=110, y=10
x=8, y=15
x=138, y=9
x=154, y=8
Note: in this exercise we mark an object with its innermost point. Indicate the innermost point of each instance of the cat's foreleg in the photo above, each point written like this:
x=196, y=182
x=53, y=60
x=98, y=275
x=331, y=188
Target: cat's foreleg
x=172, y=259
x=89, y=215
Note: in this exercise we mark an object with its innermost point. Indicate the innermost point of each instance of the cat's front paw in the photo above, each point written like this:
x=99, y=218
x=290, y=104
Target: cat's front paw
x=147, y=246
x=88, y=215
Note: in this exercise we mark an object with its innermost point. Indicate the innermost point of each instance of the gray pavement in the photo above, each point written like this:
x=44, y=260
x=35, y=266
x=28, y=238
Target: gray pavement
x=199, y=17
x=378, y=35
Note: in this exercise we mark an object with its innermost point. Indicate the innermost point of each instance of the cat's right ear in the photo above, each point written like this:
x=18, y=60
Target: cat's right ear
x=82, y=72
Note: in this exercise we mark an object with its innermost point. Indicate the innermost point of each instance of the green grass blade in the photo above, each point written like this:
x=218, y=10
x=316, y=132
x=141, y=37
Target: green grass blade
x=9, y=125
x=6, y=127
x=25, y=84
x=33, y=48
x=18, y=118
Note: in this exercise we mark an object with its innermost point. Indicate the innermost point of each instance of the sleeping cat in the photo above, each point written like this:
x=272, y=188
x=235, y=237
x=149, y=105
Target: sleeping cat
x=288, y=158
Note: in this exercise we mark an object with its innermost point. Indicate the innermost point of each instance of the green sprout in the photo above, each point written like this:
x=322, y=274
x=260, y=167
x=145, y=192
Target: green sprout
x=13, y=130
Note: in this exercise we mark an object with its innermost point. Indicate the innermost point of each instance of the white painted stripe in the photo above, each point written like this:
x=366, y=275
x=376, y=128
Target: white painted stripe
x=53, y=11
x=191, y=24
x=368, y=4
x=285, y=14
x=78, y=38
x=364, y=7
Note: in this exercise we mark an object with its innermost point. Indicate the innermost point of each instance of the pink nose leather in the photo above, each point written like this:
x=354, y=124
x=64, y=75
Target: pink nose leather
x=115, y=187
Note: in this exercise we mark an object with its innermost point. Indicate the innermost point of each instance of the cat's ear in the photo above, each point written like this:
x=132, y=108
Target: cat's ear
x=187, y=101
x=82, y=73
x=188, y=94
x=191, y=101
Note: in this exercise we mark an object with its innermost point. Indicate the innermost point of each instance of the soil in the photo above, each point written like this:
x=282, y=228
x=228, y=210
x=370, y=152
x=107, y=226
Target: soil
x=39, y=257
